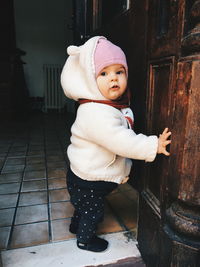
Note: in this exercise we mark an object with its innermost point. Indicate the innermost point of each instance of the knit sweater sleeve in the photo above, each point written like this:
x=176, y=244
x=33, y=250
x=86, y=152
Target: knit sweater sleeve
x=104, y=126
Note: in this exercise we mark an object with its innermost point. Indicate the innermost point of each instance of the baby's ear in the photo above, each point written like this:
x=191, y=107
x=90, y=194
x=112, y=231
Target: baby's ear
x=73, y=50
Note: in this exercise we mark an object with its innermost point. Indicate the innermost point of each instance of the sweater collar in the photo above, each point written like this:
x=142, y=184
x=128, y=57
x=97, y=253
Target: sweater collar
x=123, y=102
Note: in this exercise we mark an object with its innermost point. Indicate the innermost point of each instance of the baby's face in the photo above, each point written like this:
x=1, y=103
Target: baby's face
x=112, y=81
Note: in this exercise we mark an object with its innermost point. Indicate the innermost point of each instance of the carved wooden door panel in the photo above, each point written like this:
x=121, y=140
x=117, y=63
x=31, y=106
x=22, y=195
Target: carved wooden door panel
x=169, y=210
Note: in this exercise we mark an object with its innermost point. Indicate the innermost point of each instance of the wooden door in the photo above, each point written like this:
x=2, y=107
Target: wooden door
x=169, y=211
x=161, y=39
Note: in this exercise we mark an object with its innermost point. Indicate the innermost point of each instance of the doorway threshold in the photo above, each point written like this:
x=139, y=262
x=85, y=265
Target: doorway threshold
x=121, y=250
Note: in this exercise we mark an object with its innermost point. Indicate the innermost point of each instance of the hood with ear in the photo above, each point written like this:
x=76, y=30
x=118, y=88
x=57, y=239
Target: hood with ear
x=78, y=74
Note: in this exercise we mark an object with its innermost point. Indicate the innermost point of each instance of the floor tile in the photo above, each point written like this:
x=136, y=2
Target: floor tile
x=35, y=167
x=125, y=187
x=37, y=185
x=57, y=173
x=17, y=154
x=109, y=224
x=52, y=145
x=13, y=168
x=4, y=149
x=34, y=175
x=56, y=165
x=54, y=158
x=37, y=140
x=36, y=147
x=22, y=140
x=60, y=230
x=10, y=177
x=6, y=217
x=35, y=160
x=9, y=188
x=2, y=158
x=4, y=236
x=18, y=148
x=61, y=210
x=36, y=153
x=15, y=161
x=33, y=198
x=132, y=195
x=31, y=214
x=57, y=183
x=58, y=195
x=8, y=201
x=30, y=235
x=122, y=206
x=54, y=152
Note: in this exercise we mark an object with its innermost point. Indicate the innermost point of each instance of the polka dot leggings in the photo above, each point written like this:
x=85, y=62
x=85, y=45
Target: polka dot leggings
x=88, y=199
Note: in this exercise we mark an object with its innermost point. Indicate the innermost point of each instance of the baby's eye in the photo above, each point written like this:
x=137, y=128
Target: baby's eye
x=120, y=72
x=103, y=73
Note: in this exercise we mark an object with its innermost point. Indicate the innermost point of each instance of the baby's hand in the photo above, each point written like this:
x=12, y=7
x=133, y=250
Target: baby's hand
x=163, y=142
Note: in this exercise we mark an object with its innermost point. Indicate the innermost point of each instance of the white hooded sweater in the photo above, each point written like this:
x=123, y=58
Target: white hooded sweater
x=102, y=144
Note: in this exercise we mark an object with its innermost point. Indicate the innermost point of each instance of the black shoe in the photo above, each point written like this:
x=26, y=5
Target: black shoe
x=96, y=244
x=73, y=228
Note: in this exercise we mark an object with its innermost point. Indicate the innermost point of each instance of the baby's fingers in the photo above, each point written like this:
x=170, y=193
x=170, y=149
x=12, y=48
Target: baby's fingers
x=165, y=131
x=167, y=142
x=165, y=135
x=166, y=153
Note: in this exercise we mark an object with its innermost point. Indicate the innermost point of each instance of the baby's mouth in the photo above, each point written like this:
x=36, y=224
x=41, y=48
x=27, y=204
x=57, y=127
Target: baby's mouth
x=115, y=87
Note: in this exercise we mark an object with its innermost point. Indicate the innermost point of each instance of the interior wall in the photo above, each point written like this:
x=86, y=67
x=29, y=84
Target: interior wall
x=42, y=32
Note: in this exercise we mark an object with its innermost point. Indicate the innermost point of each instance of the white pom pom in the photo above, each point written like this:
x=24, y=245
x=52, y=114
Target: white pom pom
x=73, y=50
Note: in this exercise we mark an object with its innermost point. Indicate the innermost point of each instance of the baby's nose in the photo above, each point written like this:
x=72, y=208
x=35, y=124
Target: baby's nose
x=113, y=76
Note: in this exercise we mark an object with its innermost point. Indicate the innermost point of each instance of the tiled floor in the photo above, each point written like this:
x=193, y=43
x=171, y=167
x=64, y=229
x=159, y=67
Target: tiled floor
x=34, y=202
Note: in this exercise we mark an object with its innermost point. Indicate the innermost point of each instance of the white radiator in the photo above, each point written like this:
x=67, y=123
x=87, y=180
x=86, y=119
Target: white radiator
x=54, y=96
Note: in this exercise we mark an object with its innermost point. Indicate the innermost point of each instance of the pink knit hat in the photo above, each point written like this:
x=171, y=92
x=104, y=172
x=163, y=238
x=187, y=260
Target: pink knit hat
x=106, y=53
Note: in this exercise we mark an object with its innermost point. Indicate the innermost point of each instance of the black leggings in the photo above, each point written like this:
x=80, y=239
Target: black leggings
x=88, y=199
